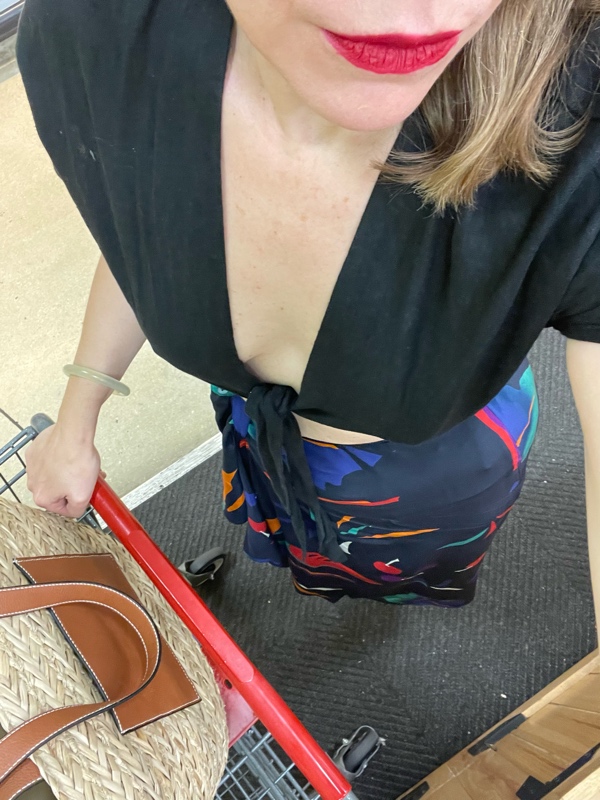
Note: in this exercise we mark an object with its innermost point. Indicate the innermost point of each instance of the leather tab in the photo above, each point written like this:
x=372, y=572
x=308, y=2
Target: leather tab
x=92, y=634
x=138, y=643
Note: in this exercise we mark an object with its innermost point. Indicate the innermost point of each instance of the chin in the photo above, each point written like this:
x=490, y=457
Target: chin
x=368, y=119
x=366, y=103
x=367, y=111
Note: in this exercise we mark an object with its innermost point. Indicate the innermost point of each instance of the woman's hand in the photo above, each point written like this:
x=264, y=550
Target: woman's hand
x=62, y=471
x=62, y=463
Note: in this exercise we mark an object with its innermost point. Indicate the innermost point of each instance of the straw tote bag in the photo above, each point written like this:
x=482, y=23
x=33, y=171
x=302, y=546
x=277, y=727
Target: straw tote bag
x=129, y=706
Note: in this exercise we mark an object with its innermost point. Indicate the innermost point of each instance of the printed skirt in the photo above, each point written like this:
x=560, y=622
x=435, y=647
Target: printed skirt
x=415, y=521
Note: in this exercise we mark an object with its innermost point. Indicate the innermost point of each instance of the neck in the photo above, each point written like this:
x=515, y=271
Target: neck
x=297, y=123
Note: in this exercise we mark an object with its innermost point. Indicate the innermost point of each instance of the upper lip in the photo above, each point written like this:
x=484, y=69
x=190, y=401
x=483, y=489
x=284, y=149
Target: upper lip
x=400, y=40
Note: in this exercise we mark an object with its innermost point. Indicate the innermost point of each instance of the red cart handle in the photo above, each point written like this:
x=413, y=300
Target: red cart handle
x=221, y=649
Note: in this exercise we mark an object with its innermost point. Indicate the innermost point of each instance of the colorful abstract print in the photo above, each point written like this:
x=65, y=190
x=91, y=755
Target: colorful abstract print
x=415, y=520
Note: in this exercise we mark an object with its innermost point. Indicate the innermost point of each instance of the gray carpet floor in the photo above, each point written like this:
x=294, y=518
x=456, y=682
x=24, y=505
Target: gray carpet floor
x=428, y=679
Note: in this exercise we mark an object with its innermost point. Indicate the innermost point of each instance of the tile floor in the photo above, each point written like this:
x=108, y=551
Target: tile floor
x=47, y=258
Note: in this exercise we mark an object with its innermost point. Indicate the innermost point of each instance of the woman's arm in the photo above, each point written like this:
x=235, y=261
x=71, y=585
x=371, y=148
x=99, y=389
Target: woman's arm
x=62, y=463
x=110, y=339
x=583, y=362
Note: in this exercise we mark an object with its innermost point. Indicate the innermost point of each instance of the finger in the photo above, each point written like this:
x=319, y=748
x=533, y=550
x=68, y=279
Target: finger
x=56, y=505
x=74, y=510
x=77, y=504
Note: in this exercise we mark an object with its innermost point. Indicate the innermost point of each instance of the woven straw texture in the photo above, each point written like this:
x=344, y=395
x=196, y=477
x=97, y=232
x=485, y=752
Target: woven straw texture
x=182, y=756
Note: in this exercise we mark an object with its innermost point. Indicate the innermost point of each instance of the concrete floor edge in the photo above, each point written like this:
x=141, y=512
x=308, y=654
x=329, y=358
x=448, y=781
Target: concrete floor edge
x=173, y=472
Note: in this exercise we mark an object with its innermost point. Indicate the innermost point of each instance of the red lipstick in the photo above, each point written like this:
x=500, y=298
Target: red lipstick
x=393, y=54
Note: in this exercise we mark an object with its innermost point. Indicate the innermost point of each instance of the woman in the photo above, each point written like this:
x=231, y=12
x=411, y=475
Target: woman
x=354, y=220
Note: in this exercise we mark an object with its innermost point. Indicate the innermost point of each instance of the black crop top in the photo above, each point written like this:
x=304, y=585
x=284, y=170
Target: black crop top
x=430, y=316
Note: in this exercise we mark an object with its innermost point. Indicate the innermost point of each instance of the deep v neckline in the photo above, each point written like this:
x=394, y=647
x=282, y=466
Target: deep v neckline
x=379, y=197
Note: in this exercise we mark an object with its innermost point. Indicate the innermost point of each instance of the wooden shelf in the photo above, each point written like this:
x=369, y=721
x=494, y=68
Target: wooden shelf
x=548, y=748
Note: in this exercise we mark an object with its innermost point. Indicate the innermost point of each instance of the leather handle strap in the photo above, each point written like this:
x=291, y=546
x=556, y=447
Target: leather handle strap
x=24, y=740
x=21, y=778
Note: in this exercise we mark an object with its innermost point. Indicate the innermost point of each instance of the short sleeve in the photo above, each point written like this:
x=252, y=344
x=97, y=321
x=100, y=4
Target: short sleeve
x=578, y=315
x=66, y=70
x=49, y=58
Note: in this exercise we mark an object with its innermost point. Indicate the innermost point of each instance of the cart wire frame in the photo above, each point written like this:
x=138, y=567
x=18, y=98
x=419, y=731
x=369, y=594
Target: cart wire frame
x=11, y=451
x=292, y=768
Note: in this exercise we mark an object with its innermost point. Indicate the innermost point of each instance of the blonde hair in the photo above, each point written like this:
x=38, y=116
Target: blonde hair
x=494, y=108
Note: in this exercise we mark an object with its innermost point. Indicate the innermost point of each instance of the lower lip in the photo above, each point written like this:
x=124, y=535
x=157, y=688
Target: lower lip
x=387, y=59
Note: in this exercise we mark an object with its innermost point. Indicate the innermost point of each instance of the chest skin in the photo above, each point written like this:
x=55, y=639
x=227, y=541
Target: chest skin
x=290, y=216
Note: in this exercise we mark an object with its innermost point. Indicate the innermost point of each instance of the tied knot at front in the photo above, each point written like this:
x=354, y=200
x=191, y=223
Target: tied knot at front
x=281, y=449
x=271, y=399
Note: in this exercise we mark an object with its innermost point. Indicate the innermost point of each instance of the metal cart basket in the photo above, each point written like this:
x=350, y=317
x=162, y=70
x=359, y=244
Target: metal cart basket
x=272, y=755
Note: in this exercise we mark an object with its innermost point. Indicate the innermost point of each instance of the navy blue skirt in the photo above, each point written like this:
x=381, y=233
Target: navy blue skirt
x=414, y=520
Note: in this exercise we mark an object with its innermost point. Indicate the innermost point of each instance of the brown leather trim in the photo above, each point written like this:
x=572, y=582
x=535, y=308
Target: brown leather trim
x=138, y=637
x=24, y=776
x=90, y=633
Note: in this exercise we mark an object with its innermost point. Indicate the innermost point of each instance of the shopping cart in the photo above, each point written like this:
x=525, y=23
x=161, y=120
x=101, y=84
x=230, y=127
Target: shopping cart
x=272, y=755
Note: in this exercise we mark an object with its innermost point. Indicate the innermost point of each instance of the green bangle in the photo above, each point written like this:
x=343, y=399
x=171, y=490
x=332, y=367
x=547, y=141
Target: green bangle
x=74, y=370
